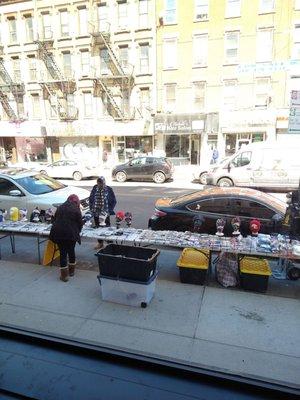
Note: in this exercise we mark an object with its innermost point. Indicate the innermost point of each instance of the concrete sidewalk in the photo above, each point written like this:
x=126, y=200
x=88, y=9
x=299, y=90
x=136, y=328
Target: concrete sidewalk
x=242, y=333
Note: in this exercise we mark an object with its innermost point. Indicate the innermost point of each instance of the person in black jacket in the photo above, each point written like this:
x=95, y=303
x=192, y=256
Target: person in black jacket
x=102, y=200
x=65, y=232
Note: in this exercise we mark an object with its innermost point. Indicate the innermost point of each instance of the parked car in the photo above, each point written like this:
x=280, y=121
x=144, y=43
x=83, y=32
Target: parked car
x=210, y=204
x=202, y=174
x=70, y=169
x=158, y=169
x=27, y=189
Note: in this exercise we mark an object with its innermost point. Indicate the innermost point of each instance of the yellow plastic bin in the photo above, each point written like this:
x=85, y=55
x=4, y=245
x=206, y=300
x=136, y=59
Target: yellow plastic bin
x=193, y=265
x=254, y=274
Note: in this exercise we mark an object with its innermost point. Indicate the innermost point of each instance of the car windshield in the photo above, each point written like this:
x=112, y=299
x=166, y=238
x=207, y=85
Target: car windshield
x=39, y=184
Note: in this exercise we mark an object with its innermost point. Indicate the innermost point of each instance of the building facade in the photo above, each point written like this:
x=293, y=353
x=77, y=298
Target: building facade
x=77, y=79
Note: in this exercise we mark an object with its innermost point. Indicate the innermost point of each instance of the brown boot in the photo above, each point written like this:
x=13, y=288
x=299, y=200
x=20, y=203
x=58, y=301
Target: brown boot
x=64, y=274
x=72, y=268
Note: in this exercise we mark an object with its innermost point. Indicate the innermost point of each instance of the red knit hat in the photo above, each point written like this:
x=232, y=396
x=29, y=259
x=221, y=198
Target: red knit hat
x=73, y=198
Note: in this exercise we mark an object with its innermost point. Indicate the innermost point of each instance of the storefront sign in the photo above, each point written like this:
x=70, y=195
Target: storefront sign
x=179, y=123
x=268, y=67
x=247, y=121
x=294, y=117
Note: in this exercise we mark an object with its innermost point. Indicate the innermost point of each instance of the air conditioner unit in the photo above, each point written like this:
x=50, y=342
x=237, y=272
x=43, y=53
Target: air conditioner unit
x=201, y=16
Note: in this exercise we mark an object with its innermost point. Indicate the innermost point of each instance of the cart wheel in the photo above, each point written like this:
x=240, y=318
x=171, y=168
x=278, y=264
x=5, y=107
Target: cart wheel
x=293, y=273
x=143, y=304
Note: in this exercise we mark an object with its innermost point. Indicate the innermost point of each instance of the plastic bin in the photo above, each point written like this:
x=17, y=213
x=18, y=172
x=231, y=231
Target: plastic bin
x=193, y=265
x=128, y=292
x=254, y=274
x=127, y=262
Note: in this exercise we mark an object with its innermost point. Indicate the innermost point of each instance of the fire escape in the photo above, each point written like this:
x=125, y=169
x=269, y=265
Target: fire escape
x=105, y=85
x=17, y=89
x=56, y=91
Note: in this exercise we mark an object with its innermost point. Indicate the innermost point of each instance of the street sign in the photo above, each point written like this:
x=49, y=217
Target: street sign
x=294, y=117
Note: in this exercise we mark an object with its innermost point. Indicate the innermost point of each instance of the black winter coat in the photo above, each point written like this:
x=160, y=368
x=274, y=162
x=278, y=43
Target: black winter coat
x=67, y=223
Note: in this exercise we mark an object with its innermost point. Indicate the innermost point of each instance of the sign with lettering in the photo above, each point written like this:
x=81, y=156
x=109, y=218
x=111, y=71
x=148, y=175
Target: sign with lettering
x=179, y=123
x=294, y=117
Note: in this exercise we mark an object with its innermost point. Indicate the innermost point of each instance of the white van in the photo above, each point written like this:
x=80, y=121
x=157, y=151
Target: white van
x=263, y=164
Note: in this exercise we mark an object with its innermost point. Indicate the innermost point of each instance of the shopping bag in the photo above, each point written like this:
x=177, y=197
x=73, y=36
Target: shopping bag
x=227, y=270
x=51, y=252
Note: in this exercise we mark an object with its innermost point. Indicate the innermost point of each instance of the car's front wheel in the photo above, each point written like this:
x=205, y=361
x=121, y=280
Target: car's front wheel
x=225, y=182
x=159, y=177
x=203, y=178
x=121, y=176
x=77, y=176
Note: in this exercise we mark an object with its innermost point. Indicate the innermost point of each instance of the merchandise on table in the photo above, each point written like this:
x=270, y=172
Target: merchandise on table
x=254, y=273
x=193, y=265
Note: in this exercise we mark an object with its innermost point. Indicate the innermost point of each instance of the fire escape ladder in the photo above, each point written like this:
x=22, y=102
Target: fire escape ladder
x=49, y=62
x=113, y=62
x=115, y=112
x=7, y=107
x=4, y=74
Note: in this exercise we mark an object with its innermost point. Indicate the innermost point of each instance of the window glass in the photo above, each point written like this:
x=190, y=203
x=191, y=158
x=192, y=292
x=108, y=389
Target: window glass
x=29, y=28
x=170, y=11
x=88, y=104
x=104, y=61
x=85, y=62
x=103, y=18
x=64, y=23
x=264, y=45
x=262, y=92
x=122, y=15
x=39, y=184
x=200, y=50
x=230, y=94
x=144, y=58
x=32, y=68
x=47, y=26
x=143, y=13
x=233, y=8
x=150, y=160
x=242, y=159
x=177, y=146
x=251, y=209
x=199, y=95
x=231, y=47
x=170, y=53
x=266, y=6
x=82, y=21
x=212, y=205
x=12, y=26
x=138, y=161
x=6, y=186
x=170, y=97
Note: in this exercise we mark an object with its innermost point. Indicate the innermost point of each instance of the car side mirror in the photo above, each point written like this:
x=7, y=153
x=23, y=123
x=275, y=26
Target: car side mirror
x=15, y=193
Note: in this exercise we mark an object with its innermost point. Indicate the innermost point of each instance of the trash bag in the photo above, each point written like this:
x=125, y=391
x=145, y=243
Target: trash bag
x=227, y=270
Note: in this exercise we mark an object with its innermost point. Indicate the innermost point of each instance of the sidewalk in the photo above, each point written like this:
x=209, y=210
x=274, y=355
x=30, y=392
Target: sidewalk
x=238, y=332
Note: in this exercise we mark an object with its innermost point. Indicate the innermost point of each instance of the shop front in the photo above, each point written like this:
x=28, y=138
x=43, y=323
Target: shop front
x=179, y=136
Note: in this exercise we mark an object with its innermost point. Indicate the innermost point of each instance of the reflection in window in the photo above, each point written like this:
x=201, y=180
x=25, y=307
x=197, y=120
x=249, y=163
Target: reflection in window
x=242, y=159
x=170, y=11
x=177, y=145
x=216, y=206
x=6, y=186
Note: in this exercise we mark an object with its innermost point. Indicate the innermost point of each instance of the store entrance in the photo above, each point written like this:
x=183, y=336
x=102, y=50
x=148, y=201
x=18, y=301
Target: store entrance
x=195, y=150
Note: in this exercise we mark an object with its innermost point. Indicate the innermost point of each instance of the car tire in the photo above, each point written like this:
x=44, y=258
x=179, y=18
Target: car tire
x=43, y=172
x=159, y=177
x=121, y=176
x=293, y=273
x=77, y=176
x=225, y=182
x=203, y=178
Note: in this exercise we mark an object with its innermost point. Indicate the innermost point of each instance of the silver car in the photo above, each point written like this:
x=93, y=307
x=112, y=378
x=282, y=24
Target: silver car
x=70, y=169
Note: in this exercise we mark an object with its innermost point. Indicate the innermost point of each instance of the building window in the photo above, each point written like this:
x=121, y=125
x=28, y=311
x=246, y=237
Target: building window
x=201, y=10
x=16, y=69
x=297, y=4
x=170, y=11
x=199, y=96
x=67, y=65
x=231, y=47
x=104, y=61
x=32, y=68
x=230, y=94
x=177, y=146
x=233, y=8
x=88, y=104
x=85, y=59
x=123, y=56
x=36, y=106
x=264, y=45
x=143, y=13
x=103, y=17
x=262, y=92
x=296, y=46
x=29, y=28
x=266, y=6
x=12, y=26
x=83, y=21
x=145, y=100
x=122, y=15
x=170, y=97
x=64, y=24
x=144, y=58
x=47, y=26
x=170, y=53
x=200, y=47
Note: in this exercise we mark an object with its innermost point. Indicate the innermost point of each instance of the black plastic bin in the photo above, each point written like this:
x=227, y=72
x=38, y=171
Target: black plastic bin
x=127, y=262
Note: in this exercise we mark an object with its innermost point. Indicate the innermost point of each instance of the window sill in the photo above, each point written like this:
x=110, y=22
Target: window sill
x=144, y=74
x=120, y=31
x=232, y=64
x=170, y=69
x=83, y=36
x=170, y=23
x=143, y=29
x=199, y=66
x=266, y=12
x=64, y=38
x=13, y=44
x=233, y=16
x=201, y=20
x=28, y=42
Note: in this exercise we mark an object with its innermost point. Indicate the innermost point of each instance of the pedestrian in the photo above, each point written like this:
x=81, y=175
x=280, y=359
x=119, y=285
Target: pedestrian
x=102, y=200
x=65, y=232
x=215, y=156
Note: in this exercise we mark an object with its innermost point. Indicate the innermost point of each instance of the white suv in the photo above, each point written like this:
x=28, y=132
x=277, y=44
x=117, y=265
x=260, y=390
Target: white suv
x=26, y=189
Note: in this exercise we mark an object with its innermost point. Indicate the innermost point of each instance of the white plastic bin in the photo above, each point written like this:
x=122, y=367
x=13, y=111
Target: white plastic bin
x=128, y=292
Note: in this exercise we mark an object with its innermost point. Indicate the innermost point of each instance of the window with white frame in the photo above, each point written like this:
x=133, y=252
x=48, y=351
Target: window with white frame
x=103, y=17
x=199, y=89
x=143, y=13
x=170, y=53
x=87, y=104
x=201, y=10
x=170, y=11
x=12, y=27
x=266, y=6
x=230, y=88
x=32, y=68
x=47, y=26
x=16, y=66
x=262, y=92
x=144, y=58
x=145, y=100
x=231, y=47
x=200, y=50
x=36, y=105
x=82, y=21
x=123, y=56
x=170, y=97
x=296, y=44
x=122, y=14
x=71, y=103
x=104, y=61
x=233, y=8
x=29, y=27
x=297, y=4
x=64, y=23
x=67, y=64
x=85, y=59
x=264, y=45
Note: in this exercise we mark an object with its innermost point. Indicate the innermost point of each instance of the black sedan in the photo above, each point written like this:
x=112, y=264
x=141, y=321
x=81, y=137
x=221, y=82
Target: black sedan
x=199, y=211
